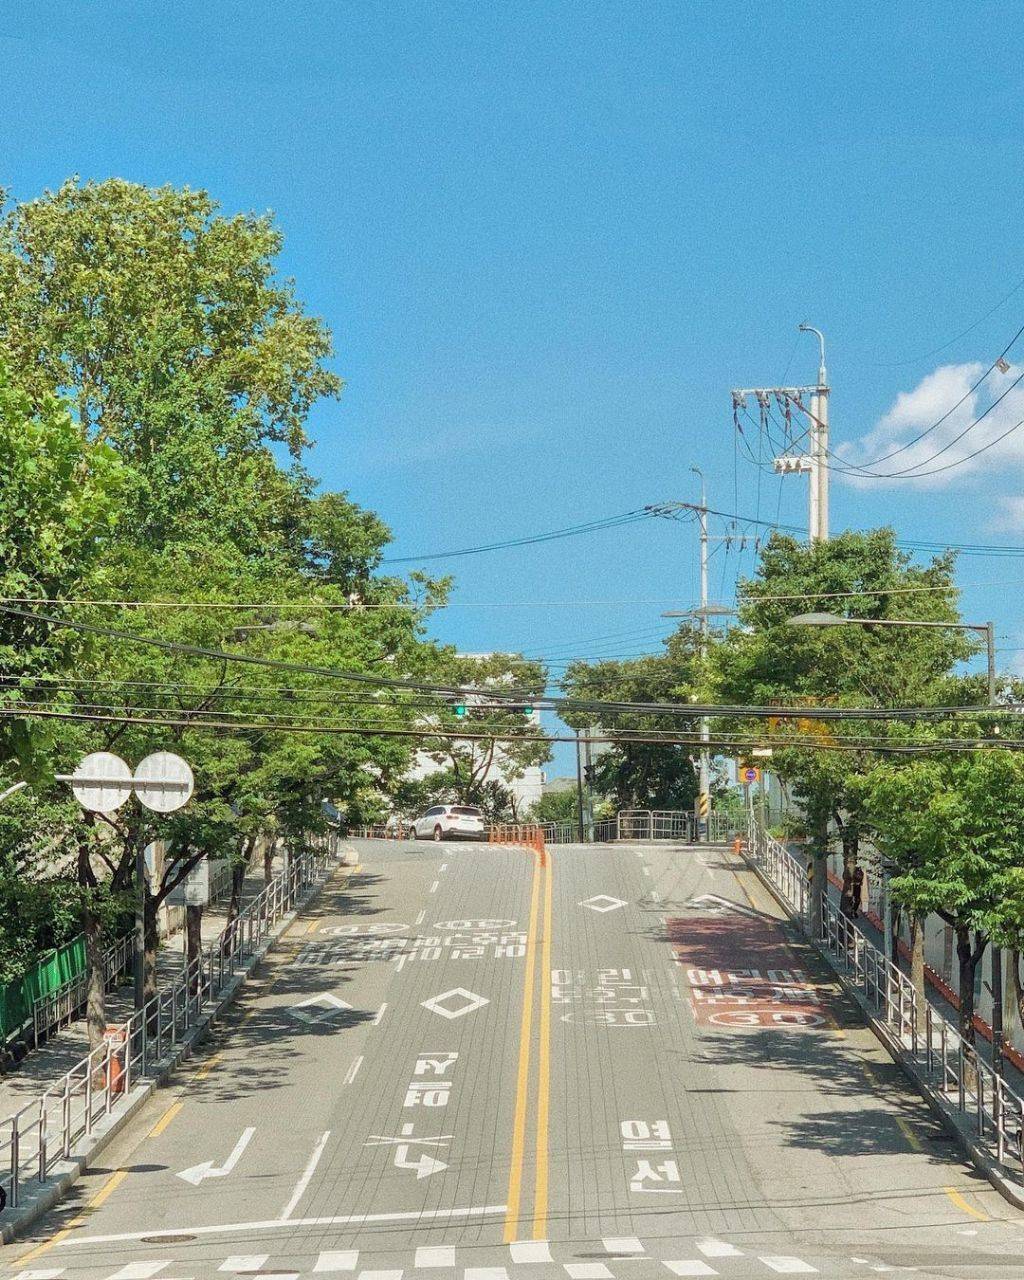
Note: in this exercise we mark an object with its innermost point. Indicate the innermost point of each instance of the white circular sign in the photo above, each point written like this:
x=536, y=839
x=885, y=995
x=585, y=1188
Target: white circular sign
x=164, y=782
x=102, y=782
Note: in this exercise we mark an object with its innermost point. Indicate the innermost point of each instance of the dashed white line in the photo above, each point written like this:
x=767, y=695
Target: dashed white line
x=691, y=1268
x=378, y=1015
x=435, y=886
x=242, y=1262
x=789, y=1266
x=142, y=1270
x=400, y=963
x=421, y=917
x=337, y=1260
x=718, y=1249
x=444, y=866
x=622, y=1244
x=304, y=1181
x=435, y=1255
x=353, y=1070
x=530, y=1251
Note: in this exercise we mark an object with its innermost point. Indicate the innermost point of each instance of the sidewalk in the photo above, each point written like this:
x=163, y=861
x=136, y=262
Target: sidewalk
x=47, y=1064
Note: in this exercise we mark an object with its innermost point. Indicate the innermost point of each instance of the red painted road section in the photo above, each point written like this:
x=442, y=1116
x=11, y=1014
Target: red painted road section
x=740, y=974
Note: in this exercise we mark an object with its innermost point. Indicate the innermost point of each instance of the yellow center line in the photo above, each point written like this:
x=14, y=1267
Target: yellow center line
x=908, y=1133
x=165, y=1120
x=108, y=1188
x=540, y=1199
x=961, y=1203
x=515, y=1176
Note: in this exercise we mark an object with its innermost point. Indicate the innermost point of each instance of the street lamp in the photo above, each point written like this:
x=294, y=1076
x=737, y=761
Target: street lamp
x=987, y=629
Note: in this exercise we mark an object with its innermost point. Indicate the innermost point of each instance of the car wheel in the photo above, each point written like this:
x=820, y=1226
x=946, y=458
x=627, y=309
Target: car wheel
x=438, y=833
x=413, y=834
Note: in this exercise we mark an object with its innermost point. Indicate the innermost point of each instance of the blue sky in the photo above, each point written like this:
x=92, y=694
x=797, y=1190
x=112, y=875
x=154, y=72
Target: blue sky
x=549, y=238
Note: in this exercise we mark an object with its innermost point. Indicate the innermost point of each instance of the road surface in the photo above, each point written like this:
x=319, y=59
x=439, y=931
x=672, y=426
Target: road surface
x=468, y=1061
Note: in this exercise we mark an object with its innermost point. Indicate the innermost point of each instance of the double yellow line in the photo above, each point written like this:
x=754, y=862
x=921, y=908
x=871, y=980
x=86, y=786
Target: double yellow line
x=538, y=943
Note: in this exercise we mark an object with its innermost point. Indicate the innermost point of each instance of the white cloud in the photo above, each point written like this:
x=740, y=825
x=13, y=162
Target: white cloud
x=1009, y=516
x=892, y=444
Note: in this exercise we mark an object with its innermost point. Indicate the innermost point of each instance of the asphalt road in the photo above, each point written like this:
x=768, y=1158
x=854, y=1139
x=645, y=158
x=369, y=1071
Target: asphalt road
x=617, y=1062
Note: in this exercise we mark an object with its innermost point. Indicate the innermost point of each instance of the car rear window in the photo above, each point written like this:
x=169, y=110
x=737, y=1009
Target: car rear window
x=467, y=811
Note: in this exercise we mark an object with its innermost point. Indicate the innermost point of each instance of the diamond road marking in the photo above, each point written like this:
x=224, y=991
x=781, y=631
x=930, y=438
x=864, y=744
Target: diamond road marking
x=337, y=1260
x=320, y=1008
x=602, y=902
x=622, y=1244
x=435, y=1255
x=241, y=1263
x=789, y=1266
x=530, y=1251
x=694, y=1268
x=718, y=1249
x=470, y=1001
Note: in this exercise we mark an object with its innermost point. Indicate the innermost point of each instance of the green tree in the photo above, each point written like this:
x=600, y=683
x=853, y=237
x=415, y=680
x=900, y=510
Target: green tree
x=860, y=576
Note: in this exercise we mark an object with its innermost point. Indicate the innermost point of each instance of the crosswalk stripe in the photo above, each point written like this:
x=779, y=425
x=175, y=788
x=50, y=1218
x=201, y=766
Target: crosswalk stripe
x=530, y=1251
x=380, y=1275
x=622, y=1244
x=138, y=1270
x=337, y=1260
x=718, y=1249
x=486, y=1273
x=587, y=1271
x=40, y=1273
x=789, y=1266
x=435, y=1255
x=691, y=1267
x=240, y=1263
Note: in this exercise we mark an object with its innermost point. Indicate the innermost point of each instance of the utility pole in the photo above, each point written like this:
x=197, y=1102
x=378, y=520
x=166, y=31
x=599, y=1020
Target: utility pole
x=815, y=461
x=704, y=781
x=579, y=791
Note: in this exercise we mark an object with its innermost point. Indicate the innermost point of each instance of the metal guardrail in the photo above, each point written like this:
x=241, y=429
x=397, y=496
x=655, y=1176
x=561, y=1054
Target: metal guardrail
x=953, y=1068
x=44, y=1131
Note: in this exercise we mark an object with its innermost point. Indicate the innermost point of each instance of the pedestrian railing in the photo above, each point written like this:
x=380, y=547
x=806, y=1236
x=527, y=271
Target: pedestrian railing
x=964, y=1081
x=46, y=1130
x=59, y=1008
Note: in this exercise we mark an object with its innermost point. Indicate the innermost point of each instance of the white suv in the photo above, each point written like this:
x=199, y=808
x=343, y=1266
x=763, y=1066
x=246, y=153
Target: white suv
x=449, y=822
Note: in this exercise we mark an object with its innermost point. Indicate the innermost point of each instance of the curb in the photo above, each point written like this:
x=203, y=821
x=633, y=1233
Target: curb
x=45, y=1195
x=974, y=1152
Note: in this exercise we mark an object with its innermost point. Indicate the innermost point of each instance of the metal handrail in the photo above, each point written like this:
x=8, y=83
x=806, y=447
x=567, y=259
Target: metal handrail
x=46, y=1129
x=954, y=1069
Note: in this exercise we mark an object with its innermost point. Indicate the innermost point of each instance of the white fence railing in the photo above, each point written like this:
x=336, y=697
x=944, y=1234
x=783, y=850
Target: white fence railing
x=629, y=824
x=58, y=1008
x=45, y=1131
x=962, y=1079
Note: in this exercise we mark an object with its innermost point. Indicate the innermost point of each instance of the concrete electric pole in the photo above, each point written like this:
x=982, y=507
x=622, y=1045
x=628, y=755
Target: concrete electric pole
x=815, y=461
x=704, y=783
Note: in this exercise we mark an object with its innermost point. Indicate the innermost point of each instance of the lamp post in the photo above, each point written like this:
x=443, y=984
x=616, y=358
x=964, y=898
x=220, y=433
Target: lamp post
x=987, y=629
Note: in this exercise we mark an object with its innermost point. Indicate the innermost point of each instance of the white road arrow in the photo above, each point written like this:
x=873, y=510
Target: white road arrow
x=198, y=1172
x=424, y=1165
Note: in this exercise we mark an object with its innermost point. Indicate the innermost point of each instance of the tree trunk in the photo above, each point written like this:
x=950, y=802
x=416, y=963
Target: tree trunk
x=969, y=957
x=238, y=871
x=268, y=861
x=819, y=876
x=851, y=846
x=96, y=987
x=917, y=969
x=152, y=942
x=1018, y=988
x=193, y=933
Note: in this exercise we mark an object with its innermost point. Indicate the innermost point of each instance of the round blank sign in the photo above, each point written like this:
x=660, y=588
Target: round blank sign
x=164, y=782
x=102, y=782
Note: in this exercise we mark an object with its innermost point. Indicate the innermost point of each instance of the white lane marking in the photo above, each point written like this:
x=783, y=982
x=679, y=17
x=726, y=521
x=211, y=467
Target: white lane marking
x=655, y=896
x=380, y=1275
x=789, y=1266
x=197, y=1173
x=378, y=1015
x=444, y=866
x=434, y=887
x=647, y=871
x=275, y=1224
x=694, y=1268
x=421, y=917
x=303, y=1182
x=587, y=1271
x=622, y=1244
x=353, y=1070
x=400, y=963
x=40, y=1273
x=602, y=902
x=718, y=1249
x=530, y=1251
x=138, y=1270
x=337, y=1260
x=244, y=1262
x=435, y=1255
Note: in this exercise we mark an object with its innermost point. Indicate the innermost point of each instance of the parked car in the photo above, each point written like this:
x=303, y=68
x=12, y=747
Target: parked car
x=449, y=822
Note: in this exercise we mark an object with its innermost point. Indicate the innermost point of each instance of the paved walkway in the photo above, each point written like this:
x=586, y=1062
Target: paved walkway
x=40, y=1068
